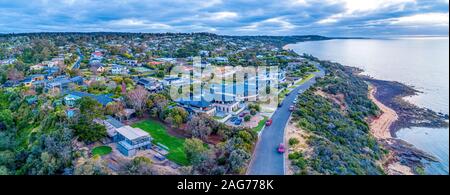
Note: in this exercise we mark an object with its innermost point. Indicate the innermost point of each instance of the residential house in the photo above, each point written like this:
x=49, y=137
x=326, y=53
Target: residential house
x=226, y=107
x=119, y=69
x=167, y=60
x=51, y=72
x=8, y=61
x=56, y=62
x=63, y=82
x=131, y=62
x=220, y=60
x=31, y=80
x=97, y=55
x=175, y=81
x=111, y=125
x=196, y=107
x=202, y=64
x=150, y=84
x=72, y=96
x=98, y=67
x=203, y=53
x=130, y=140
x=37, y=67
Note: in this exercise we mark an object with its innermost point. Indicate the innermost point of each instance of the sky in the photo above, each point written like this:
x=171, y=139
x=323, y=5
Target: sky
x=229, y=17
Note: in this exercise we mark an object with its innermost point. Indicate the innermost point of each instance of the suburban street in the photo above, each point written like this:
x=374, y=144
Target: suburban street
x=78, y=62
x=266, y=160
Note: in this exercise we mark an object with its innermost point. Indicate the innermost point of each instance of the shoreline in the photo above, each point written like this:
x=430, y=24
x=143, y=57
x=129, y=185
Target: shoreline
x=380, y=126
x=403, y=158
x=392, y=94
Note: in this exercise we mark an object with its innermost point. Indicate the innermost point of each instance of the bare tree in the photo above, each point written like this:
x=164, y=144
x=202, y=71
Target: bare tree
x=115, y=108
x=15, y=75
x=137, y=99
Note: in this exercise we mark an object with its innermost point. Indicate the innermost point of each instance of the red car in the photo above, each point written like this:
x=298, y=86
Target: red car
x=281, y=148
x=269, y=122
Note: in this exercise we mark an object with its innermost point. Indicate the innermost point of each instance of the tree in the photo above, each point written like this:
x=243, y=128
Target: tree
x=138, y=166
x=4, y=170
x=89, y=131
x=177, y=116
x=114, y=108
x=237, y=160
x=293, y=141
x=201, y=127
x=91, y=166
x=137, y=98
x=6, y=119
x=193, y=148
x=160, y=102
x=253, y=112
x=89, y=108
x=247, y=118
x=15, y=75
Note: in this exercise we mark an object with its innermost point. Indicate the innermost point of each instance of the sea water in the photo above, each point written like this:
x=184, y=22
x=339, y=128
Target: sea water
x=420, y=62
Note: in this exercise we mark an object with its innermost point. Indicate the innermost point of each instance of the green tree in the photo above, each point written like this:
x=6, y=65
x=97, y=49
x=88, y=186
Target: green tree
x=138, y=166
x=89, y=108
x=194, y=148
x=89, y=131
x=91, y=166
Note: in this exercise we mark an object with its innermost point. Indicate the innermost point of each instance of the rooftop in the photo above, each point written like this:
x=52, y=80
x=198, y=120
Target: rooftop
x=103, y=99
x=132, y=133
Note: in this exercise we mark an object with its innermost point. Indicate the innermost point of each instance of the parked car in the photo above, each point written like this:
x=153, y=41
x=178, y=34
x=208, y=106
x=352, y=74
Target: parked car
x=281, y=149
x=243, y=114
x=291, y=108
x=238, y=122
x=280, y=104
x=269, y=122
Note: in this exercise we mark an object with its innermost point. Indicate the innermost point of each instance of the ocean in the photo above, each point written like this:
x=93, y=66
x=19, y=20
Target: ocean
x=420, y=62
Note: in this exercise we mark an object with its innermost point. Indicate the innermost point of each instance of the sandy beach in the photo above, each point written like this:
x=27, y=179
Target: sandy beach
x=380, y=127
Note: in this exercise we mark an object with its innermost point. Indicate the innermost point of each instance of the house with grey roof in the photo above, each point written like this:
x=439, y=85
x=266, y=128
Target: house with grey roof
x=131, y=140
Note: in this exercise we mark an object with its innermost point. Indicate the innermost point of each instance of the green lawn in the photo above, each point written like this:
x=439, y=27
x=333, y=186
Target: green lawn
x=307, y=78
x=101, y=150
x=260, y=124
x=282, y=95
x=160, y=135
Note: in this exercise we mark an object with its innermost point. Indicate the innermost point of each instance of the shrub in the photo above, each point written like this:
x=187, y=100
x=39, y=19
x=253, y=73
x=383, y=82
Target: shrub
x=300, y=162
x=253, y=111
x=293, y=141
x=295, y=155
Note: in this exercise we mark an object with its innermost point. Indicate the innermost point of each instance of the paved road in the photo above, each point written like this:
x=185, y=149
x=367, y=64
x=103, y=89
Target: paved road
x=78, y=62
x=266, y=160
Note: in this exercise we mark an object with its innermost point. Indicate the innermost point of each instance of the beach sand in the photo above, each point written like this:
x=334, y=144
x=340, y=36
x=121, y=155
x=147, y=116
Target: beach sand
x=380, y=129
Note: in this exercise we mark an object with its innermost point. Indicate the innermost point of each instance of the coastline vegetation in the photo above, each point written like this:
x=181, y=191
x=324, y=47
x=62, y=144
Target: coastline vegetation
x=341, y=142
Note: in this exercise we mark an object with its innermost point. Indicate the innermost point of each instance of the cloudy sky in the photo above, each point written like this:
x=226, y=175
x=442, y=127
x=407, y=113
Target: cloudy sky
x=230, y=17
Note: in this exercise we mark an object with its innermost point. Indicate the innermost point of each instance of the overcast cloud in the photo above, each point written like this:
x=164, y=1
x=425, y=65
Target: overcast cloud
x=230, y=17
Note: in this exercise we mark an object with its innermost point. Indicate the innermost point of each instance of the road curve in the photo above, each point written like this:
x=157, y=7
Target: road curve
x=266, y=160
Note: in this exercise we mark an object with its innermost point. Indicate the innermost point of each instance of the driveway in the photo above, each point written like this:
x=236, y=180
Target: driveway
x=266, y=160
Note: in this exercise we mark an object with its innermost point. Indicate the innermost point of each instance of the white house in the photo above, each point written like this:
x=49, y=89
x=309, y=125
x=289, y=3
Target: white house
x=119, y=69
